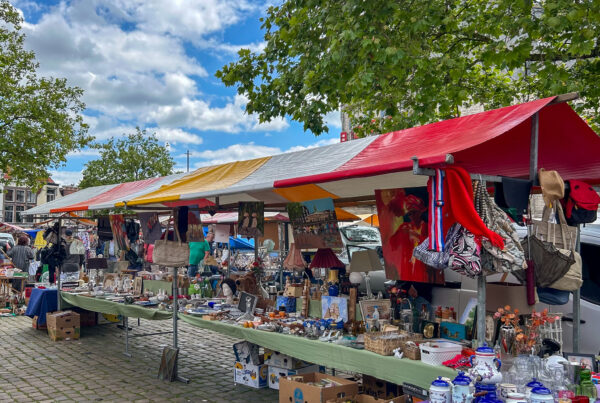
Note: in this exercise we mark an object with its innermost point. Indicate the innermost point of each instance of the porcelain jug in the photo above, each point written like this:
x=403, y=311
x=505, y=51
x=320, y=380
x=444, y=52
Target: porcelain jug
x=461, y=389
x=439, y=391
x=485, y=366
x=541, y=395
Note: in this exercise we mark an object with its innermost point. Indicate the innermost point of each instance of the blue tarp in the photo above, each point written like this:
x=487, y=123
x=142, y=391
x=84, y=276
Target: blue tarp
x=241, y=243
x=32, y=232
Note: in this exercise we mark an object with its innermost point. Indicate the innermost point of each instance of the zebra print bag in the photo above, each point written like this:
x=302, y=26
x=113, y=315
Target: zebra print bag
x=464, y=252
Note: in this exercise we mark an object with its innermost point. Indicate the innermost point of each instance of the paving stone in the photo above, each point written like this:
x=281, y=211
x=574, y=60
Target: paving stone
x=94, y=367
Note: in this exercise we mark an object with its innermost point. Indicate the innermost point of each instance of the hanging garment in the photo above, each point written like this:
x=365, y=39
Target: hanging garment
x=150, y=224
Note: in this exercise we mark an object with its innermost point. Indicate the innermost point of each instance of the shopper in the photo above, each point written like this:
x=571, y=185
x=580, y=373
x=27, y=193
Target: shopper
x=198, y=252
x=75, y=258
x=21, y=254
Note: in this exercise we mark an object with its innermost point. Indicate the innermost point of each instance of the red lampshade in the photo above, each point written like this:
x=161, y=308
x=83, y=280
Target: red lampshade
x=325, y=258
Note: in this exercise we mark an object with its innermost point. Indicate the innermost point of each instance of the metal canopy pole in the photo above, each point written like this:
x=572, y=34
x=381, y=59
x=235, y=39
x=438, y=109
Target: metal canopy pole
x=57, y=279
x=577, y=302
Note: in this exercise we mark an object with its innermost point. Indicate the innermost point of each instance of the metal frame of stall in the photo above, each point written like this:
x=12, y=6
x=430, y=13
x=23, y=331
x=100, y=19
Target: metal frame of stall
x=533, y=168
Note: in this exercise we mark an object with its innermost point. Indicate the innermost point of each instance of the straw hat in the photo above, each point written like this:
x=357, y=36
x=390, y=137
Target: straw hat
x=553, y=186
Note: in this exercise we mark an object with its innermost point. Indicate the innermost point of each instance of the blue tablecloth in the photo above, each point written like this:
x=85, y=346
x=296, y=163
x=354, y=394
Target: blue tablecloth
x=41, y=302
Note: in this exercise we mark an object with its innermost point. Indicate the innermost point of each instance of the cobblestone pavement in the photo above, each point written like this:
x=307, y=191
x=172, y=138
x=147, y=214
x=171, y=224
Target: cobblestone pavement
x=93, y=368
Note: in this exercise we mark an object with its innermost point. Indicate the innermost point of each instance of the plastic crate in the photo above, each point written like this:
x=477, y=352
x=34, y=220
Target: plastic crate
x=435, y=353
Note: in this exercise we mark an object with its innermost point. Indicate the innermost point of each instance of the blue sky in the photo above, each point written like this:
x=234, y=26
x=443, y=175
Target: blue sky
x=151, y=63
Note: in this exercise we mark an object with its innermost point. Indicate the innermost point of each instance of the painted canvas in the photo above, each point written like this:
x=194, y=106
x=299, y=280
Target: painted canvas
x=251, y=219
x=334, y=308
x=403, y=225
x=314, y=224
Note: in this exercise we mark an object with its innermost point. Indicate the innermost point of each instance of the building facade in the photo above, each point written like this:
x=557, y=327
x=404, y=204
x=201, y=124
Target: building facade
x=16, y=199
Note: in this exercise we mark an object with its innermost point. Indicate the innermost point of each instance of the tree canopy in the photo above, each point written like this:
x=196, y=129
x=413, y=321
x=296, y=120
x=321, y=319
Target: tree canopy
x=40, y=118
x=398, y=64
x=132, y=157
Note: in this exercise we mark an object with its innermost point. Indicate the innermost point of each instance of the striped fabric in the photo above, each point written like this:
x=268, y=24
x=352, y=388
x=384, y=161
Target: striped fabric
x=436, y=201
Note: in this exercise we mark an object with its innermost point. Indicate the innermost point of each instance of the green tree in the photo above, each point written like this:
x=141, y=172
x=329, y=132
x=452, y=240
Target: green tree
x=397, y=64
x=132, y=157
x=40, y=118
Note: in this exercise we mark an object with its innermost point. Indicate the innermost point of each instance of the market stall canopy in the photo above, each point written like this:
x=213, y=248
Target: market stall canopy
x=120, y=193
x=73, y=198
x=228, y=218
x=10, y=228
x=494, y=142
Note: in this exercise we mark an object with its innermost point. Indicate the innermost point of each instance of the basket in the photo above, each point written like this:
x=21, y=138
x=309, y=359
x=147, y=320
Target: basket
x=553, y=330
x=411, y=350
x=436, y=353
x=384, y=343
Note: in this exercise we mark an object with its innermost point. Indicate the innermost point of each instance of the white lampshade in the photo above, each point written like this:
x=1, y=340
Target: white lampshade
x=356, y=277
x=365, y=261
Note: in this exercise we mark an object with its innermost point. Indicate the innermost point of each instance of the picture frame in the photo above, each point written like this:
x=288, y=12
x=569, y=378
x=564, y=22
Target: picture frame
x=334, y=308
x=138, y=285
x=247, y=301
x=589, y=360
x=384, y=306
x=110, y=280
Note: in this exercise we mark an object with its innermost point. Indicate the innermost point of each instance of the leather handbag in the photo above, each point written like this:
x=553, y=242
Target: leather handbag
x=171, y=253
x=494, y=259
x=559, y=234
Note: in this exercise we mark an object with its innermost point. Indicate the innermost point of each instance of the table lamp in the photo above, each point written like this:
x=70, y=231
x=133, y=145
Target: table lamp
x=364, y=261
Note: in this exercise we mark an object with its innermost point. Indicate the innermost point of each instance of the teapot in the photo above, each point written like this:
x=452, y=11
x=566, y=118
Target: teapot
x=486, y=368
x=461, y=389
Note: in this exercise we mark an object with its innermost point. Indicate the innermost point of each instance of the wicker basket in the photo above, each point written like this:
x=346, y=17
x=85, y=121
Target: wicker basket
x=384, y=343
x=411, y=350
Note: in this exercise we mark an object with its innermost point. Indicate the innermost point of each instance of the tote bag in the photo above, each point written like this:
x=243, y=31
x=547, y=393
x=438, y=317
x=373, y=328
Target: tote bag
x=171, y=253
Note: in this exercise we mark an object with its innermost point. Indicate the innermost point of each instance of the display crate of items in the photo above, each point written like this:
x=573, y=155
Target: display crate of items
x=63, y=325
x=384, y=343
x=438, y=352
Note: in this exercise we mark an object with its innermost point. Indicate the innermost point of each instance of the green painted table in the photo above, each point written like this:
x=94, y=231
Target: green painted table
x=332, y=355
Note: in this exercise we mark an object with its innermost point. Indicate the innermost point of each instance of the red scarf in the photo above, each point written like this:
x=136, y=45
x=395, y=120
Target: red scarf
x=459, y=206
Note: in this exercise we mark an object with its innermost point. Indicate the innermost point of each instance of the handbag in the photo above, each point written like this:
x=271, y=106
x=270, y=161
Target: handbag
x=551, y=263
x=464, y=253
x=572, y=280
x=432, y=258
x=171, y=253
x=559, y=234
x=552, y=296
x=494, y=259
x=580, y=203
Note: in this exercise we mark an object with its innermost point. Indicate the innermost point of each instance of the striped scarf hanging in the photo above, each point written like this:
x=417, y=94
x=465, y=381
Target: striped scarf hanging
x=436, y=202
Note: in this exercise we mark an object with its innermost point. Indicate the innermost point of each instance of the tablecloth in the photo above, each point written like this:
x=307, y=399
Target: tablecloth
x=114, y=308
x=332, y=355
x=41, y=302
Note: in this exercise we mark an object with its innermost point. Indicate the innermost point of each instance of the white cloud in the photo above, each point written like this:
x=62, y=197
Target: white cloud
x=173, y=136
x=84, y=153
x=66, y=177
x=333, y=120
x=198, y=114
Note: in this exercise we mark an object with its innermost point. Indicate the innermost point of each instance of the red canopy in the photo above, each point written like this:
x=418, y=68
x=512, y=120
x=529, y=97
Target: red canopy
x=494, y=142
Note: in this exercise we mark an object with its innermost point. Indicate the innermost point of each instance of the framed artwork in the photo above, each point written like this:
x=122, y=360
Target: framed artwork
x=403, y=225
x=247, y=302
x=384, y=306
x=138, y=285
x=314, y=224
x=109, y=280
x=334, y=308
x=251, y=219
x=195, y=232
x=585, y=360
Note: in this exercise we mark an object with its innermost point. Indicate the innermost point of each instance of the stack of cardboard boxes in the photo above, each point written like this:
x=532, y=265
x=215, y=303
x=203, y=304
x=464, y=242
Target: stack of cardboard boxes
x=63, y=325
x=281, y=365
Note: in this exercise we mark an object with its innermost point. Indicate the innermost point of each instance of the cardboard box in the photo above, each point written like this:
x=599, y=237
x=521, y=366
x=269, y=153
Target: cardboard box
x=247, y=353
x=34, y=324
x=276, y=359
x=295, y=290
x=379, y=388
x=370, y=399
x=64, y=333
x=275, y=374
x=297, y=388
x=254, y=376
x=62, y=319
x=86, y=318
x=501, y=294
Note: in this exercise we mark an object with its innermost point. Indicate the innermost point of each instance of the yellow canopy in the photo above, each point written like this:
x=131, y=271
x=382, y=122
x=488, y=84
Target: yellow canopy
x=304, y=193
x=201, y=180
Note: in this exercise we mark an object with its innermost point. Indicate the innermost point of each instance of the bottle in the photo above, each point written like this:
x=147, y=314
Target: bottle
x=376, y=317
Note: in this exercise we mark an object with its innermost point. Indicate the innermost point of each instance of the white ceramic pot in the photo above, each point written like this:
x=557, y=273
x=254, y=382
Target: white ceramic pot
x=505, y=389
x=541, y=395
x=516, y=398
x=461, y=389
x=485, y=366
x=440, y=391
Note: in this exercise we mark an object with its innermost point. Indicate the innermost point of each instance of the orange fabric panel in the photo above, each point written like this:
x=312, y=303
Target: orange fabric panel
x=304, y=192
